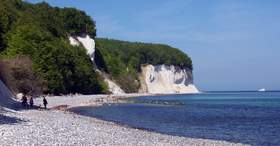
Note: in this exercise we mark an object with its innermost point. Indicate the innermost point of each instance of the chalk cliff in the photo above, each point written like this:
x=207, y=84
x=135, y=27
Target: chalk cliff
x=89, y=44
x=162, y=79
x=86, y=41
x=166, y=79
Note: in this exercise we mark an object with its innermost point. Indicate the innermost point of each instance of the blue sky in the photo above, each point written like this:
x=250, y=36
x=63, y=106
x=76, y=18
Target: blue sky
x=234, y=44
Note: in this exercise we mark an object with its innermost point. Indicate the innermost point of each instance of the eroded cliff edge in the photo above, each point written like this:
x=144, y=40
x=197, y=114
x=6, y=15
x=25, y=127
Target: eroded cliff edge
x=155, y=79
x=168, y=79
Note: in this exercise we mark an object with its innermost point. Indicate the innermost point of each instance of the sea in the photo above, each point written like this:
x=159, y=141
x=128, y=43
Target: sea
x=240, y=117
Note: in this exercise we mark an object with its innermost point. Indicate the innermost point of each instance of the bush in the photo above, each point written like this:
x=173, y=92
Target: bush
x=19, y=75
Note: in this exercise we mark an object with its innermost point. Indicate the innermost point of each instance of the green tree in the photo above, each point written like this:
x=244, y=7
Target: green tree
x=41, y=32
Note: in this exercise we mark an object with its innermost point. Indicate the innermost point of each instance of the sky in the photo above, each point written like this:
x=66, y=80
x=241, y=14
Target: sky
x=234, y=44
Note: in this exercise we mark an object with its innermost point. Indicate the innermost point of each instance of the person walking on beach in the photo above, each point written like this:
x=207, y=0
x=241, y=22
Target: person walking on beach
x=45, y=102
x=31, y=103
x=24, y=101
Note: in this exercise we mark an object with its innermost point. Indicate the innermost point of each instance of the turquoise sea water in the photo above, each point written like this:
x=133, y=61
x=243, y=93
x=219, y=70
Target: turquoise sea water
x=244, y=117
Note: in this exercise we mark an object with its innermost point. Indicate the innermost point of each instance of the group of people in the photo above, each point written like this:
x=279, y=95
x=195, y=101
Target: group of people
x=31, y=102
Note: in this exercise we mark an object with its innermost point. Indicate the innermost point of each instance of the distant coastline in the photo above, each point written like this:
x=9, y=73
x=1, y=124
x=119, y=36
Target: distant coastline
x=239, y=91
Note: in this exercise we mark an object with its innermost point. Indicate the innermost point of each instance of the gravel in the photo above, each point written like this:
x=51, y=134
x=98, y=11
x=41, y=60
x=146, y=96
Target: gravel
x=54, y=127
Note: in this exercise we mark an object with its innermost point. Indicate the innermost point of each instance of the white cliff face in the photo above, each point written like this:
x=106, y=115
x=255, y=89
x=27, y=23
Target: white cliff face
x=89, y=44
x=74, y=41
x=162, y=79
x=155, y=79
x=113, y=87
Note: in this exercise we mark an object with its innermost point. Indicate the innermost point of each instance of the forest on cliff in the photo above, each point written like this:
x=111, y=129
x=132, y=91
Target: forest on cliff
x=36, y=56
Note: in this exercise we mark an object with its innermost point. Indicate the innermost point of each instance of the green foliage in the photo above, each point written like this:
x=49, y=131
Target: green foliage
x=41, y=32
x=134, y=53
x=77, y=22
x=68, y=69
x=7, y=16
x=123, y=59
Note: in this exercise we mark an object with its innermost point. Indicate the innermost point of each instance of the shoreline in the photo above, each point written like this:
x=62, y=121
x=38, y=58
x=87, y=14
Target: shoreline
x=94, y=100
x=63, y=127
x=71, y=101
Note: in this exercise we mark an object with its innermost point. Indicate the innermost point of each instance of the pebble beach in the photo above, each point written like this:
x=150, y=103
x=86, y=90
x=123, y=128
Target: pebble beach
x=56, y=126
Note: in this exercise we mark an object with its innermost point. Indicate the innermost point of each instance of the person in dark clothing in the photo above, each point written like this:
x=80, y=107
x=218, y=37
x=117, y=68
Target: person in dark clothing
x=31, y=103
x=24, y=101
x=45, y=102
